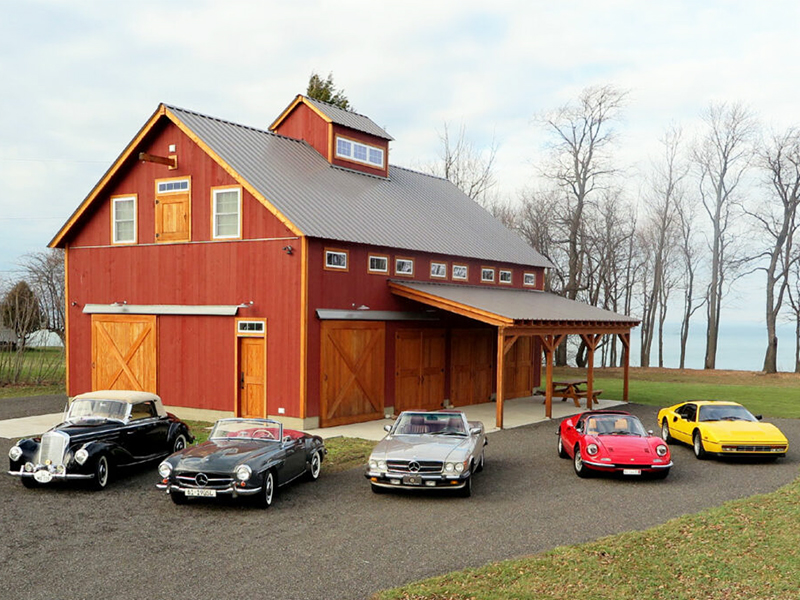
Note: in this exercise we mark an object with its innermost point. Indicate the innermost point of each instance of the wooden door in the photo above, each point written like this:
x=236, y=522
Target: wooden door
x=352, y=365
x=419, y=369
x=124, y=353
x=252, y=401
x=518, y=369
x=172, y=217
x=471, y=366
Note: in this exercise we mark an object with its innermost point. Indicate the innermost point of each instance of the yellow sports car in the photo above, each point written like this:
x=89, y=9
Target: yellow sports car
x=716, y=427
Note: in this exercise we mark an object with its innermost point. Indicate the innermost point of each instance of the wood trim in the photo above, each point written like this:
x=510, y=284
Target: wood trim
x=299, y=99
x=111, y=200
x=453, y=277
x=241, y=210
x=237, y=366
x=439, y=277
x=304, y=327
x=256, y=334
x=500, y=279
x=338, y=251
x=330, y=142
x=170, y=161
x=67, y=303
x=413, y=266
x=501, y=354
x=530, y=285
x=494, y=275
x=454, y=307
x=373, y=272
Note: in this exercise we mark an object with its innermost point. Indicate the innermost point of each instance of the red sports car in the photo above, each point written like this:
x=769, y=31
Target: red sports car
x=612, y=441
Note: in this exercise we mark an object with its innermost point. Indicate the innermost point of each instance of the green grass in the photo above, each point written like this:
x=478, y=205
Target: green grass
x=19, y=391
x=743, y=550
x=35, y=366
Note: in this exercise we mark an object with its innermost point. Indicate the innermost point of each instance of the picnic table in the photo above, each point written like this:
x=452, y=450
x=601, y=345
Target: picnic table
x=573, y=388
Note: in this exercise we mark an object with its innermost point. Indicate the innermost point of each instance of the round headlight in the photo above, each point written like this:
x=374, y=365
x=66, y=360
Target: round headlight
x=661, y=450
x=29, y=467
x=164, y=469
x=373, y=464
x=81, y=456
x=449, y=467
x=591, y=449
x=382, y=465
x=459, y=467
x=15, y=453
x=243, y=472
x=61, y=469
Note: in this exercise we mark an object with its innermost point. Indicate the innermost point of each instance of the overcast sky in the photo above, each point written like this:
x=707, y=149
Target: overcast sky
x=80, y=78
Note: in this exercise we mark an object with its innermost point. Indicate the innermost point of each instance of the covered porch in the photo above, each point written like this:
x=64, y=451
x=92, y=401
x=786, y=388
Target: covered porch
x=516, y=313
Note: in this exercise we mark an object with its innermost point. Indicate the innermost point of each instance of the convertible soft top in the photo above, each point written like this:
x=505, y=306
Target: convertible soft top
x=130, y=396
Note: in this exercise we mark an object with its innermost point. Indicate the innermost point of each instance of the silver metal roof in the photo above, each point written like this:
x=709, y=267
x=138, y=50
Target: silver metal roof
x=520, y=305
x=350, y=119
x=408, y=210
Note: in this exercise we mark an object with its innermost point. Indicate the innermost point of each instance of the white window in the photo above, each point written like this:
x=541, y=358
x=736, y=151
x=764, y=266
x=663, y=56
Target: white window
x=460, y=272
x=487, y=275
x=505, y=276
x=227, y=208
x=403, y=266
x=124, y=220
x=363, y=153
x=336, y=260
x=438, y=270
x=529, y=279
x=251, y=326
x=179, y=185
x=378, y=264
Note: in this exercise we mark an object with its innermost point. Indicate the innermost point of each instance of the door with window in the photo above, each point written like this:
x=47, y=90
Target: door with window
x=419, y=369
x=173, y=210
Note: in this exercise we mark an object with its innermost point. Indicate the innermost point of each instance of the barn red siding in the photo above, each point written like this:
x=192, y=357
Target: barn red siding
x=303, y=123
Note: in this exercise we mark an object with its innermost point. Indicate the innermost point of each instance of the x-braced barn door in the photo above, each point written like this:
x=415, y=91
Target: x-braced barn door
x=352, y=372
x=124, y=352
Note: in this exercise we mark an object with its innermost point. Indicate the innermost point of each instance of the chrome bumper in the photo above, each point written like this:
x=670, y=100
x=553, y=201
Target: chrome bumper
x=53, y=475
x=228, y=491
x=616, y=466
x=432, y=481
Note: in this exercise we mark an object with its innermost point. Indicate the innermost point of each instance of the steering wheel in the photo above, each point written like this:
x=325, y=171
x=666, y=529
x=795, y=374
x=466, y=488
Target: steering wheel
x=263, y=433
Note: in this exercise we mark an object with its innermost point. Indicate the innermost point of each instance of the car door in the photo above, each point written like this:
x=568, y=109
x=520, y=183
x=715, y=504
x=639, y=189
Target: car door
x=294, y=459
x=146, y=433
x=572, y=435
x=682, y=423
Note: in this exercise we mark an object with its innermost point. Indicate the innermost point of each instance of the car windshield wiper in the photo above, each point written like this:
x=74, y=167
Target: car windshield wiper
x=447, y=433
x=623, y=433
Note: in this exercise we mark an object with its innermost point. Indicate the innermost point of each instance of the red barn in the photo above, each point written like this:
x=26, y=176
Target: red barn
x=294, y=273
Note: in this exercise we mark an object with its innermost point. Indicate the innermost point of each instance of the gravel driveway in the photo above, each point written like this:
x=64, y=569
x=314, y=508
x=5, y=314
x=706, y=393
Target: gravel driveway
x=334, y=538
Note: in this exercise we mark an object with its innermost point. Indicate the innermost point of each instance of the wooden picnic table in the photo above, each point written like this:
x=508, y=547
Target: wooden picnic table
x=571, y=388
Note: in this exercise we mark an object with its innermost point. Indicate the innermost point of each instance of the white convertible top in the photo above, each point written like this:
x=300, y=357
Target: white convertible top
x=129, y=396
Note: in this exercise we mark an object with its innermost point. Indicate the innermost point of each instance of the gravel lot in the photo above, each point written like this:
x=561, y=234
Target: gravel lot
x=334, y=538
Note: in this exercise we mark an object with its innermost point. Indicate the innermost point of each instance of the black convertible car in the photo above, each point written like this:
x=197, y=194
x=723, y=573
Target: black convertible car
x=101, y=431
x=242, y=457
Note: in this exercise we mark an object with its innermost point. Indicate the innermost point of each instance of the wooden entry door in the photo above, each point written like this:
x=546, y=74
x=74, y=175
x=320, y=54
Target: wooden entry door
x=419, y=369
x=252, y=398
x=172, y=217
x=518, y=369
x=352, y=365
x=471, y=366
x=124, y=353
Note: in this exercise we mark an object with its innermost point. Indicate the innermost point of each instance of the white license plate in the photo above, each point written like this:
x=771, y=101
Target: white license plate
x=201, y=493
x=631, y=471
x=43, y=476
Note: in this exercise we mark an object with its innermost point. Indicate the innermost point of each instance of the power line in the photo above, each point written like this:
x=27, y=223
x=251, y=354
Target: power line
x=53, y=160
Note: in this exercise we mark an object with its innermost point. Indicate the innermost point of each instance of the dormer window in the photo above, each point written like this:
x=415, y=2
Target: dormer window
x=359, y=152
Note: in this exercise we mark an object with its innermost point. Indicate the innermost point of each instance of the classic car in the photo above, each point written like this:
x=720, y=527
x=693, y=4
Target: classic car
x=242, y=457
x=612, y=441
x=428, y=450
x=102, y=431
x=724, y=428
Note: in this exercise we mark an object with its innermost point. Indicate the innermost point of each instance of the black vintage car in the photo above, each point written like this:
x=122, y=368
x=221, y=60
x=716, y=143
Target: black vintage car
x=242, y=457
x=101, y=431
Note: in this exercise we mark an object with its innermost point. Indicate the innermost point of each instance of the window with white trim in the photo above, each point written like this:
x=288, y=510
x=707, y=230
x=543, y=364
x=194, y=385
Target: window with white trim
x=227, y=208
x=460, y=272
x=438, y=270
x=505, y=276
x=487, y=275
x=403, y=266
x=124, y=220
x=529, y=279
x=378, y=264
x=359, y=152
x=336, y=260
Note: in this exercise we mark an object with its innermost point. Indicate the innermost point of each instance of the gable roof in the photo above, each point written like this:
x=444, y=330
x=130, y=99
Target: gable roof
x=408, y=210
x=334, y=114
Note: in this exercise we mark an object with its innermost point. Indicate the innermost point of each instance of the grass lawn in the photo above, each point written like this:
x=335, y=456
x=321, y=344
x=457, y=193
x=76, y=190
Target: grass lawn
x=18, y=391
x=38, y=366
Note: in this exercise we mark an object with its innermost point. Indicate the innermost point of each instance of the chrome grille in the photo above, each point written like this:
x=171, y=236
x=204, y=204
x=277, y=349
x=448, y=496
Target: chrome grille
x=52, y=448
x=215, y=481
x=425, y=466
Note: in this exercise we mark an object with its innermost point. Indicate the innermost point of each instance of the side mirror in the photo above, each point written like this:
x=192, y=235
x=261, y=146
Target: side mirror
x=475, y=431
x=387, y=427
x=674, y=419
x=287, y=439
x=649, y=432
x=759, y=417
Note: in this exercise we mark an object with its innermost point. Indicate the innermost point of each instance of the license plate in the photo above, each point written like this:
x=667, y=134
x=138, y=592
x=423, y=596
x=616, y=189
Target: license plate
x=631, y=471
x=201, y=493
x=412, y=480
x=43, y=476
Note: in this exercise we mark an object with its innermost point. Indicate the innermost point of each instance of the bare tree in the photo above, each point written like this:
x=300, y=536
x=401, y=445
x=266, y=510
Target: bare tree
x=793, y=293
x=538, y=224
x=721, y=156
x=44, y=272
x=776, y=219
x=689, y=257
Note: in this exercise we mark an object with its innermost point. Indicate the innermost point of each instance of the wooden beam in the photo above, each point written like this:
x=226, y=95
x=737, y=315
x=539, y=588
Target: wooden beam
x=508, y=343
x=625, y=338
x=499, y=392
x=550, y=344
x=170, y=161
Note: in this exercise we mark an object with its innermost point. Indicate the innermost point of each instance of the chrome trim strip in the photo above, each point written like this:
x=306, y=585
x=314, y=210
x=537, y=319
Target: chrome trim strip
x=54, y=475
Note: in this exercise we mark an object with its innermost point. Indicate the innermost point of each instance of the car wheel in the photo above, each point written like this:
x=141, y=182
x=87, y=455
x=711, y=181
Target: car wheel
x=377, y=489
x=179, y=443
x=178, y=497
x=665, y=432
x=580, y=469
x=661, y=474
x=102, y=473
x=267, y=495
x=29, y=482
x=562, y=452
x=697, y=445
x=481, y=462
x=314, y=468
x=466, y=491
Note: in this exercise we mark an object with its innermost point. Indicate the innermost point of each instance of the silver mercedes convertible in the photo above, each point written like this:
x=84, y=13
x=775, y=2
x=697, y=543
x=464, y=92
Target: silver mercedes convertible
x=428, y=450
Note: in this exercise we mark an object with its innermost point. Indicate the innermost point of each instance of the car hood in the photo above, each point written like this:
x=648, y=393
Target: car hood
x=426, y=447
x=624, y=445
x=91, y=429
x=742, y=431
x=221, y=455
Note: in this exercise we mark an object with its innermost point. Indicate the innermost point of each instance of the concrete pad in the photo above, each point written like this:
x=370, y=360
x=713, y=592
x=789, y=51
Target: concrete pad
x=29, y=426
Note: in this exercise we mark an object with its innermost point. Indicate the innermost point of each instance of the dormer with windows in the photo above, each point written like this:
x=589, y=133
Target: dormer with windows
x=345, y=138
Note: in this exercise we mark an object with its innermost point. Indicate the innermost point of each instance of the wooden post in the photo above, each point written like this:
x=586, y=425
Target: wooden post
x=501, y=333
x=625, y=338
x=550, y=343
x=591, y=340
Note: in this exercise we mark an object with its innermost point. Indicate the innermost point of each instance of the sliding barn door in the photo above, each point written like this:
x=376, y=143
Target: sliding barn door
x=124, y=353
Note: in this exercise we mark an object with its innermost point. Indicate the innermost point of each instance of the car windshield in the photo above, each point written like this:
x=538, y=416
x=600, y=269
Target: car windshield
x=614, y=425
x=430, y=424
x=725, y=412
x=84, y=409
x=250, y=429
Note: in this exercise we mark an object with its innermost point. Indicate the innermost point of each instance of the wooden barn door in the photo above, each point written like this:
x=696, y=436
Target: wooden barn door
x=352, y=372
x=518, y=369
x=471, y=366
x=419, y=369
x=252, y=378
x=172, y=215
x=124, y=353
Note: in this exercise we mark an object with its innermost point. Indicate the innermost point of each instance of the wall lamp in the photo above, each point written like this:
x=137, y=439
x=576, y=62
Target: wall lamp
x=246, y=304
x=288, y=249
x=123, y=303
